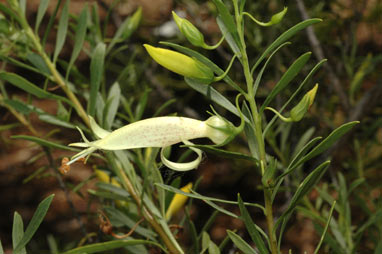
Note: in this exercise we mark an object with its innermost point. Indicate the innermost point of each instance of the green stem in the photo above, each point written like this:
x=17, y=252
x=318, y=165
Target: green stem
x=250, y=97
x=128, y=185
x=52, y=68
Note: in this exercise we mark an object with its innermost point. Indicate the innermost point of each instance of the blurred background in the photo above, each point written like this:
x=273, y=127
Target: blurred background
x=350, y=88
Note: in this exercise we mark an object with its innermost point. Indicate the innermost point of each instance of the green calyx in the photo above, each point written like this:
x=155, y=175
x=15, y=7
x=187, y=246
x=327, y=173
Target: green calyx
x=221, y=130
x=299, y=111
x=193, y=35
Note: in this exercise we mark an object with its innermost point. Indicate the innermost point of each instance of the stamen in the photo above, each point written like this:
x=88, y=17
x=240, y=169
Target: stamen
x=64, y=168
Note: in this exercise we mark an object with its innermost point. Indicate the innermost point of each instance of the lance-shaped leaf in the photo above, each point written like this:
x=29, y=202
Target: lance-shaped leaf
x=287, y=77
x=227, y=19
x=35, y=222
x=251, y=227
x=41, y=12
x=110, y=245
x=30, y=88
x=79, y=38
x=283, y=37
x=96, y=74
x=305, y=187
x=240, y=243
x=17, y=232
x=62, y=30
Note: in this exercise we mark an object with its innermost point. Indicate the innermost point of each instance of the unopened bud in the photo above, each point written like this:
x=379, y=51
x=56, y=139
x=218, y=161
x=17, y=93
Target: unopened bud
x=181, y=64
x=298, y=112
x=193, y=35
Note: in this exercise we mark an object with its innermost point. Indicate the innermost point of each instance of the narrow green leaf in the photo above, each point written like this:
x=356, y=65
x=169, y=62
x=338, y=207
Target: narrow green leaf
x=35, y=222
x=260, y=75
x=163, y=106
x=290, y=74
x=242, y=4
x=107, y=195
x=218, y=71
x=213, y=95
x=285, y=36
x=228, y=37
x=142, y=103
x=100, y=108
x=252, y=230
x=196, y=195
x=303, y=83
x=22, y=65
x=9, y=126
x=17, y=232
x=304, y=139
x=213, y=248
x=305, y=187
x=44, y=142
x=43, y=6
x=329, y=240
x=325, y=229
x=52, y=244
x=205, y=241
x=96, y=74
x=112, y=188
x=224, y=153
x=228, y=20
x=52, y=18
x=329, y=141
x=111, y=245
x=220, y=209
x=295, y=161
x=62, y=30
x=79, y=38
x=30, y=88
x=19, y=106
x=112, y=104
x=240, y=243
x=56, y=121
x=39, y=63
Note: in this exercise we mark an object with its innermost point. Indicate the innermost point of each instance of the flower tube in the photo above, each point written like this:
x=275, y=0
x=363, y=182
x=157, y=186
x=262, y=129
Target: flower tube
x=157, y=132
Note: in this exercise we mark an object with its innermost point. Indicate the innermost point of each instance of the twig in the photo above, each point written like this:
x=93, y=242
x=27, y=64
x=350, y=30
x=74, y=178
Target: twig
x=319, y=53
x=64, y=189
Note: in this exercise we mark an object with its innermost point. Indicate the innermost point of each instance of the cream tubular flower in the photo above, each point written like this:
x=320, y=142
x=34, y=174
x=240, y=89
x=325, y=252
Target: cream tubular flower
x=158, y=132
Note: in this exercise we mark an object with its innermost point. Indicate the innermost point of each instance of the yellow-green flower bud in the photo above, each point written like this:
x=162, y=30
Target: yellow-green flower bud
x=193, y=35
x=181, y=64
x=178, y=201
x=298, y=112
